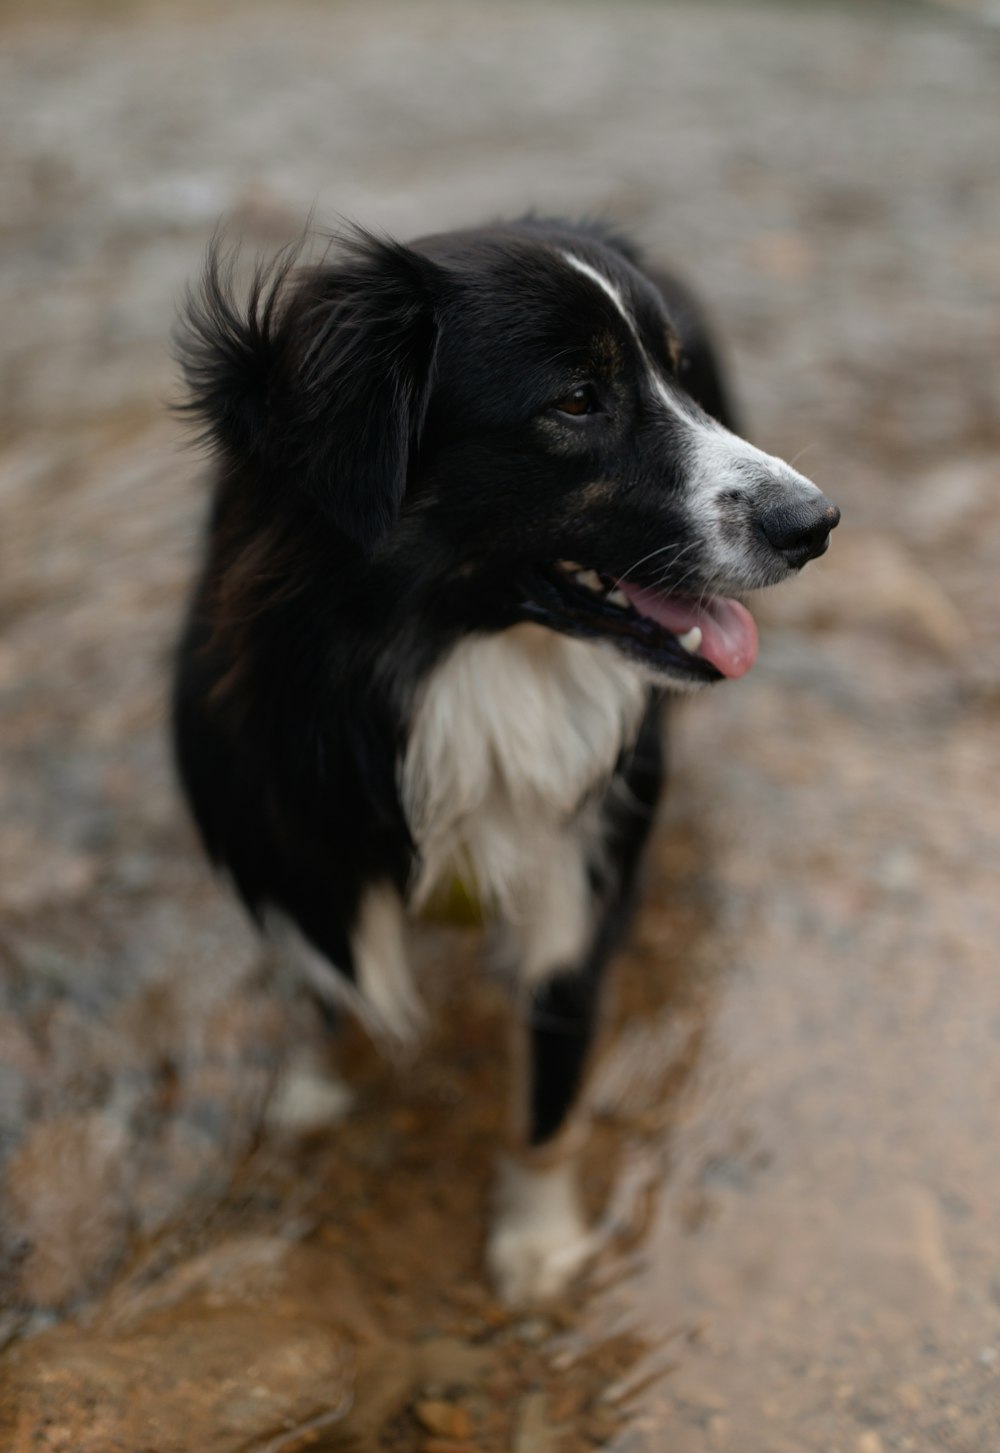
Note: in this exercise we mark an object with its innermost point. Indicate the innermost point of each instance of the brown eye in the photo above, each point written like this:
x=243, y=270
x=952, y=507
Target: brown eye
x=582, y=400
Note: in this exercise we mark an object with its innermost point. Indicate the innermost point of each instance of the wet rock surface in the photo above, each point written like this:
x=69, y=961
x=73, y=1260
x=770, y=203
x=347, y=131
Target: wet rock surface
x=794, y=1158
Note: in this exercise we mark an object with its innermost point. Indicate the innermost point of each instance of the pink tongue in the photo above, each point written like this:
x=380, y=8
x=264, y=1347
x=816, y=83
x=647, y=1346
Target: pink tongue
x=728, y=632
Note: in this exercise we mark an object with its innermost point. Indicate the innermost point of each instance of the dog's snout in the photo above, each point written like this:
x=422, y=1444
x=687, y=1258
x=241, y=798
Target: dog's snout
x=800, y=529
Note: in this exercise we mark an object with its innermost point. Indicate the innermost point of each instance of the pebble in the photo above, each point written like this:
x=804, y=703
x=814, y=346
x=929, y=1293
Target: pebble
x=449, y=1420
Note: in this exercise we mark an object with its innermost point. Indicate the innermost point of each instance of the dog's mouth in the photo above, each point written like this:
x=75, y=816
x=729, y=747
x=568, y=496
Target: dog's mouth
x=700, y=640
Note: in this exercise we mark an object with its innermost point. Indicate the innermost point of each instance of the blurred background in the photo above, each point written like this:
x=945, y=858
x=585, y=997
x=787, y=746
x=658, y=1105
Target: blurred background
x=795, y=1154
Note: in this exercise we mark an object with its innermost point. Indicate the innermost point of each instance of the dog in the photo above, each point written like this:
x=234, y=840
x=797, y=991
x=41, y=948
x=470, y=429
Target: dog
x=480, y=506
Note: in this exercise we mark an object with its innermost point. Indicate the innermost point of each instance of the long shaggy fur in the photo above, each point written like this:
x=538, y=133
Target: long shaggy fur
x=406, y=649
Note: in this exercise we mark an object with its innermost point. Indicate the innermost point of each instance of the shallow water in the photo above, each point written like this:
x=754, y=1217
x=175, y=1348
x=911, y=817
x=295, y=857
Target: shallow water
x=794, y=1155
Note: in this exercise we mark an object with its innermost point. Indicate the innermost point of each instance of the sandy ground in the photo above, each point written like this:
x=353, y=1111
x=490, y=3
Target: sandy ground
x=795, y=1154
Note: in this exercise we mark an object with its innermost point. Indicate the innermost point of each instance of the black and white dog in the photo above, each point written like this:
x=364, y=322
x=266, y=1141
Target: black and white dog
x=478, y=507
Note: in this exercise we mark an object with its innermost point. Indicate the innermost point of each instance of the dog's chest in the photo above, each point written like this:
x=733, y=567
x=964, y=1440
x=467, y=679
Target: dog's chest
x=510, y=735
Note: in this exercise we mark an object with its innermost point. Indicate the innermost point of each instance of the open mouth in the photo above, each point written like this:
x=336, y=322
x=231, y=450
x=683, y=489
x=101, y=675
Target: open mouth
x=702, y=640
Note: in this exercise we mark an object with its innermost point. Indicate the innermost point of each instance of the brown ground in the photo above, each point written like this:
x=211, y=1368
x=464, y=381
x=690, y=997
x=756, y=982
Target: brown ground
x=796, y=1154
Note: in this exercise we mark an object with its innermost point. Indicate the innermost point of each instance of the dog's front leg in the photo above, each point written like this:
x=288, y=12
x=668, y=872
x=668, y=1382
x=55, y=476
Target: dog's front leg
x=539, y=1237
x=579, y=911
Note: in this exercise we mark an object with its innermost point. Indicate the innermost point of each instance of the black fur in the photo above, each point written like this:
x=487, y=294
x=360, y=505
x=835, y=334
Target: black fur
x=392, y=473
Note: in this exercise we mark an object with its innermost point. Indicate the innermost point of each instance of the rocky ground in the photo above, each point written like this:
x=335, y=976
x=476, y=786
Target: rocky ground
x=795, y=1155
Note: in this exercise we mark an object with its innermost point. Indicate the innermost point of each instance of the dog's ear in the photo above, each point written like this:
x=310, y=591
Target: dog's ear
x=361, y=367
x=322, y=377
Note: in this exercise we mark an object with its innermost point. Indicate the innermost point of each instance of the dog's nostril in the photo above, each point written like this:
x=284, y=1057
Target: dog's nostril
x=800, y=531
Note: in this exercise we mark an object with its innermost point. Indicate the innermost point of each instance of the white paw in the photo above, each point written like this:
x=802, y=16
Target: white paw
x=530, y=1264
x=539, y=1239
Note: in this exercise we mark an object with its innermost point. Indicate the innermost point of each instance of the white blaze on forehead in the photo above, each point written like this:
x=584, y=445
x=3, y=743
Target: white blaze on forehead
x=668, y=399
x=719, y=461
x=722, y=454
x=606, y=286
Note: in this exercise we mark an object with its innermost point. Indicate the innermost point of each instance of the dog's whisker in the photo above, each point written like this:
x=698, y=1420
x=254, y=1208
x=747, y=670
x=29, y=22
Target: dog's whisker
x=669, y=565
x=800, y=455
x=651, y=556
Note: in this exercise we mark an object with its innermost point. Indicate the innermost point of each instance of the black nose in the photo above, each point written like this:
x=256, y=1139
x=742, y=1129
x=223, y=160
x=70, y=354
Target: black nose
x=801, y=530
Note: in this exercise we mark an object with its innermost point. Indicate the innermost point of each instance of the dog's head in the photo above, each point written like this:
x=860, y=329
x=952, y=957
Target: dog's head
x=511, y=424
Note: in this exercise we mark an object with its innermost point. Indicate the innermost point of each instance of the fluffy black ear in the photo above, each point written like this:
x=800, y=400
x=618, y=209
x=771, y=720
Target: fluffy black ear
x=322, y=376
x=362, y=364
x=230, y=348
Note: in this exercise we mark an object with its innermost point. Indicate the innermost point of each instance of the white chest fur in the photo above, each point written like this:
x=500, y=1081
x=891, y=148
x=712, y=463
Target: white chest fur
x=510, y=734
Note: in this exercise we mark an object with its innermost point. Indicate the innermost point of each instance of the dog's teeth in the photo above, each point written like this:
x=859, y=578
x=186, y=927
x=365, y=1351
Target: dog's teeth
x=620, y=599
x=590, y=579
x=691, y=640
x=570, y=566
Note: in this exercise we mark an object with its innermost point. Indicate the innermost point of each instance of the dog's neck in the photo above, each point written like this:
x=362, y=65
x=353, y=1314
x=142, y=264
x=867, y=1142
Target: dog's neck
x=511, y=734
